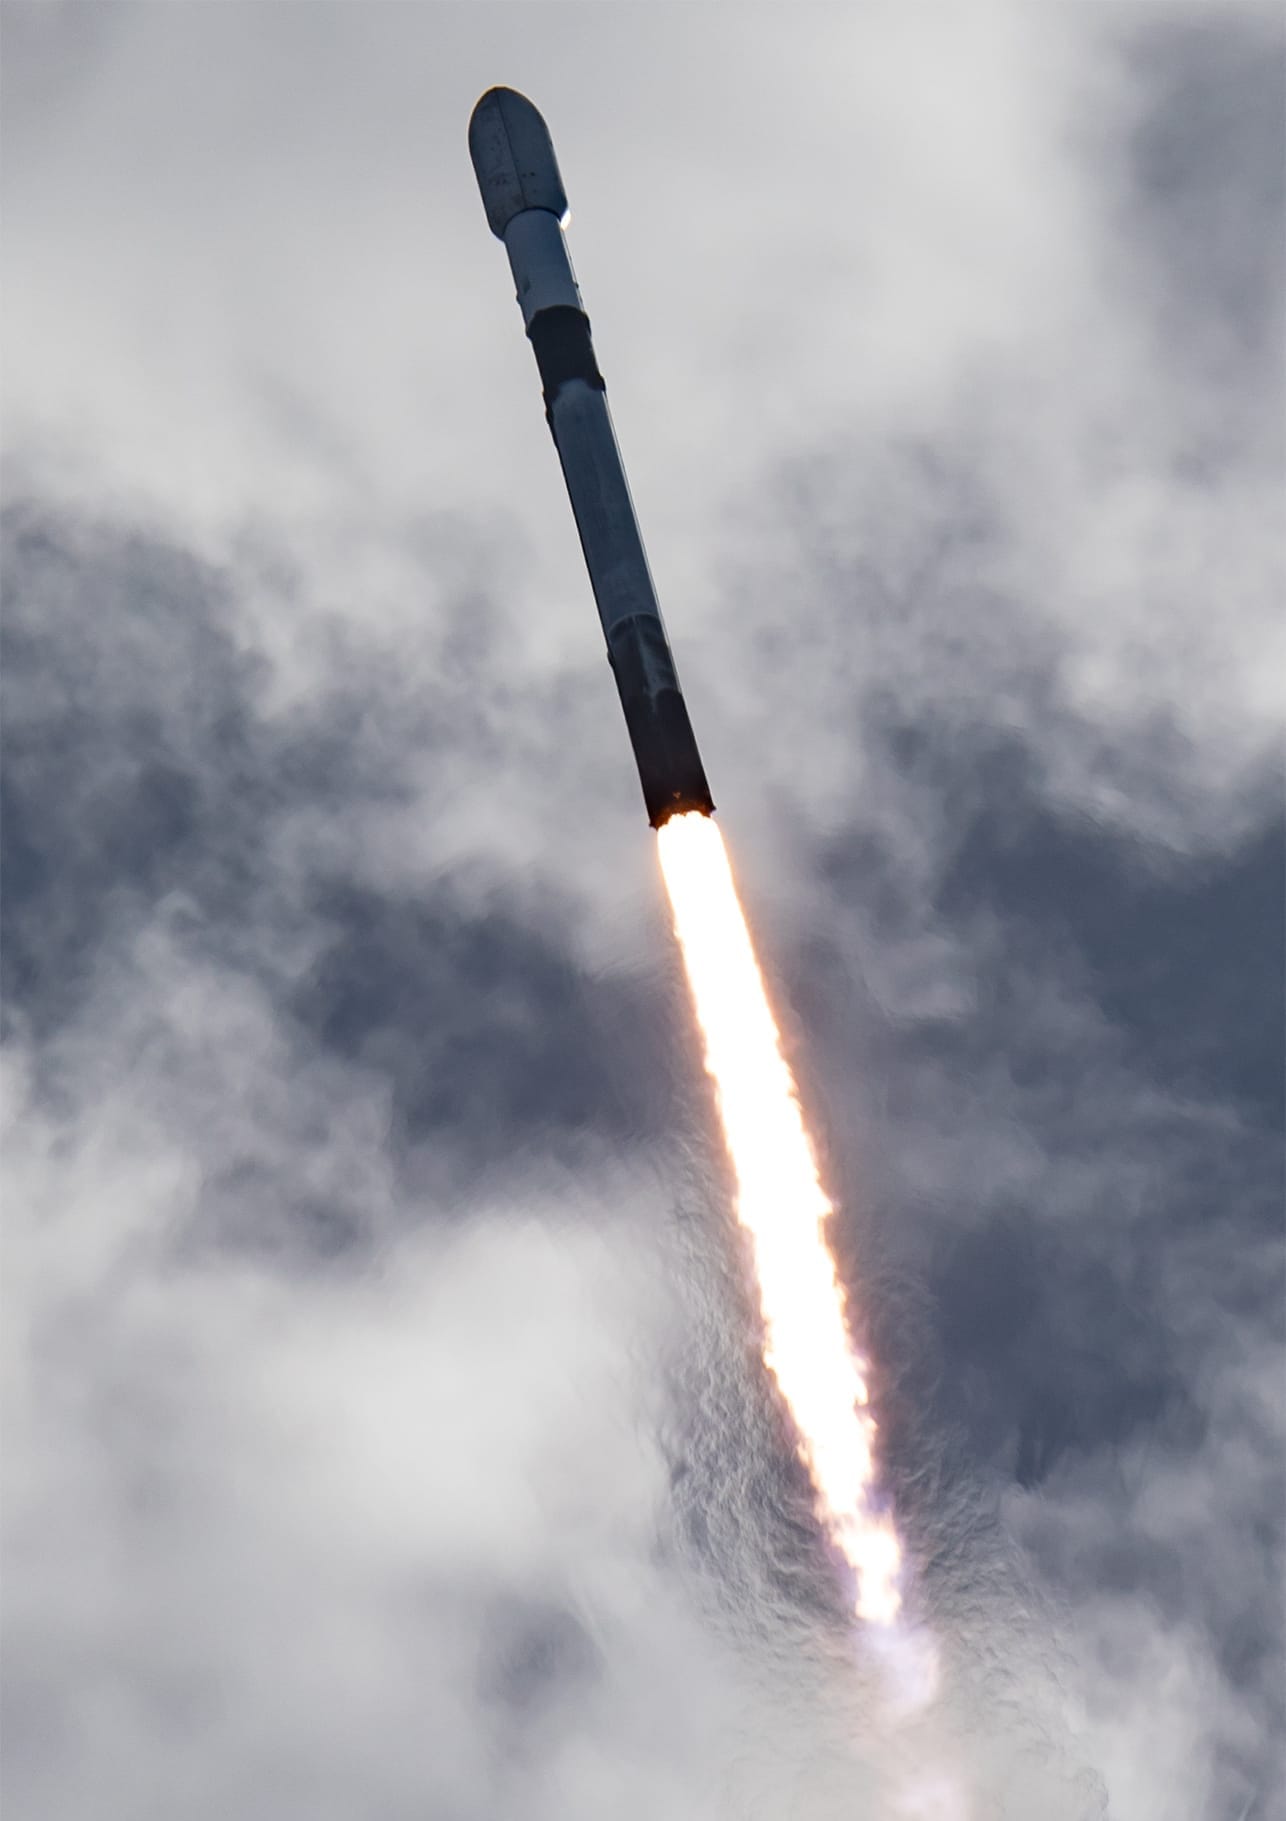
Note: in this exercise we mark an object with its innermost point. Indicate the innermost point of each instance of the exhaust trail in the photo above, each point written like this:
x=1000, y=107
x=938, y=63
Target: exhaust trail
x=784, y=1209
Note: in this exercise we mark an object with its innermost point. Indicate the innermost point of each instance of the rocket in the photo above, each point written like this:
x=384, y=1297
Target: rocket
x=522, y=191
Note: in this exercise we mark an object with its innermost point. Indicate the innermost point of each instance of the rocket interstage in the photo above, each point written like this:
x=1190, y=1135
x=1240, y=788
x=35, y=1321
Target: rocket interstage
x=526, y=206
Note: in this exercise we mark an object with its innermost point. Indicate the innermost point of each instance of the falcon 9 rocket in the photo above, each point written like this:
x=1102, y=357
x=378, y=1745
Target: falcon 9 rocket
x=526, y=206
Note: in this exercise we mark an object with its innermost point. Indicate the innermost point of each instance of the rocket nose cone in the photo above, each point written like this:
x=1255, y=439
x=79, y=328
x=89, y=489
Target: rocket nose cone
x=513, y=157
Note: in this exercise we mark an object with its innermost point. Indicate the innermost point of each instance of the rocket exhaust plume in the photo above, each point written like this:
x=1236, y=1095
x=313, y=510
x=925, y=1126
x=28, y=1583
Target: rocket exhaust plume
x=781, y=1204
x=780, y=1201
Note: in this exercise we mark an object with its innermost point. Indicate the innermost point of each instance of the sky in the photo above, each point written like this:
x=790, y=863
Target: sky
x=383, y=1426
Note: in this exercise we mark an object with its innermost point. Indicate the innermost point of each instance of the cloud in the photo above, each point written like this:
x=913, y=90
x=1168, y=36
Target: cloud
x=294, y=1521
x=385, y=1428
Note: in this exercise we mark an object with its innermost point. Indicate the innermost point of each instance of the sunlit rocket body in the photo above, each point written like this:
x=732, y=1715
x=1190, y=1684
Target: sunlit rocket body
x=526, y=206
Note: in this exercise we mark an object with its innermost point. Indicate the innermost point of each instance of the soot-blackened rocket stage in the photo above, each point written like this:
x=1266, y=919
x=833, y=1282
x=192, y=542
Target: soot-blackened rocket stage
x=526, y=206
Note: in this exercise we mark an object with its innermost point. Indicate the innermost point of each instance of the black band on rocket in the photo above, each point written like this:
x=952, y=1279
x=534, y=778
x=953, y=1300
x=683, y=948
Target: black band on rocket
x=560, y=338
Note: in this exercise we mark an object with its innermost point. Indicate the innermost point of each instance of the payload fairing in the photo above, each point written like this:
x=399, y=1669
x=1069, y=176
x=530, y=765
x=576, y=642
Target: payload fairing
x=526, y=206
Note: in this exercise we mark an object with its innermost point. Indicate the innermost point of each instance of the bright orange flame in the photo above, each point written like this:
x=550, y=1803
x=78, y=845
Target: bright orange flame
x=781, y=1203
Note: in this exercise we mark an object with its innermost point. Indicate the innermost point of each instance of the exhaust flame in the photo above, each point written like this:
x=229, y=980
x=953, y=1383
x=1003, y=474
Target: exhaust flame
x=782, y=1205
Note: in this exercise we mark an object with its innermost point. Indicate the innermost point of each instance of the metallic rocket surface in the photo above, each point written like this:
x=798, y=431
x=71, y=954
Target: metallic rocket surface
x=526, y=206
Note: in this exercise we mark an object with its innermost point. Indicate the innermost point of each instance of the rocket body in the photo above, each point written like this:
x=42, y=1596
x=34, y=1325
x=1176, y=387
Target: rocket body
x=526, y=206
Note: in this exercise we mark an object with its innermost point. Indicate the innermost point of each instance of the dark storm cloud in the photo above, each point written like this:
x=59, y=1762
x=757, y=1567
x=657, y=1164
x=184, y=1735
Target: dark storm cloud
x=143, y=767
x=1187, y=967
x=1162, y=1064
x=1181, y=956
x=555, y=1049
x=129, y=749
